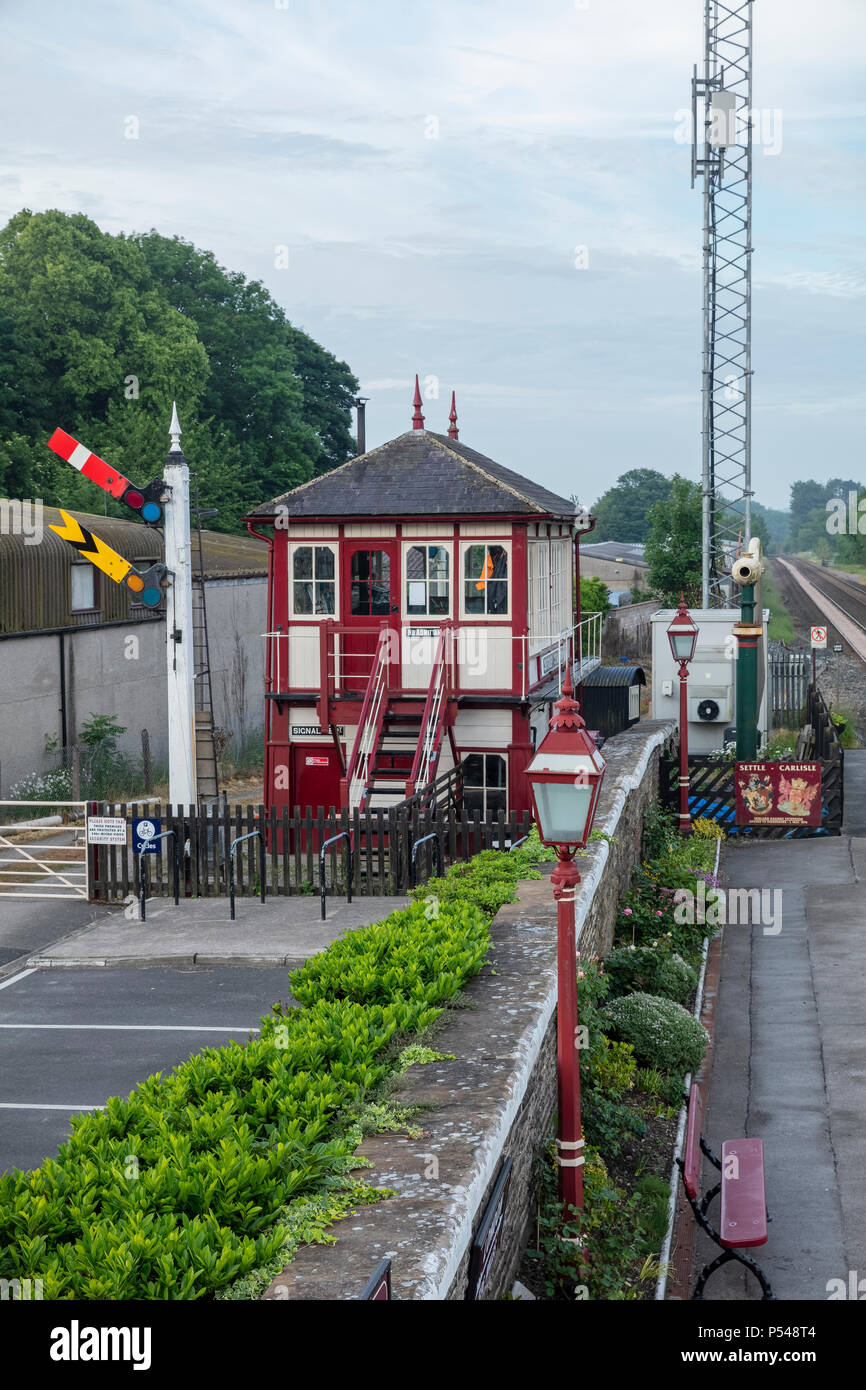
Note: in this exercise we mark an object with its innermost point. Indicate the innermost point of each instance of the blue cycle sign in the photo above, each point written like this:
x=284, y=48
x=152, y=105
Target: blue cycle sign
x=145, y=835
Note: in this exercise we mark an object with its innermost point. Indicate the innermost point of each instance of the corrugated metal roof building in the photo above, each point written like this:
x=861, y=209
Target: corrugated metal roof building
x=45, y=585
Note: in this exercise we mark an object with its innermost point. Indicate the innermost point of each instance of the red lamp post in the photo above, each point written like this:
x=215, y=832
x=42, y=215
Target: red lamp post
x=564, y=778
x=683, y=637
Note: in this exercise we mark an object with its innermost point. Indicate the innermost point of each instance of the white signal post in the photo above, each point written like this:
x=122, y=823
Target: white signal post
x=179, y=640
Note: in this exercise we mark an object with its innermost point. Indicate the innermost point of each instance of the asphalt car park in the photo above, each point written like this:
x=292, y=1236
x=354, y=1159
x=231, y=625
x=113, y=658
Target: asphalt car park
x=71, y=1038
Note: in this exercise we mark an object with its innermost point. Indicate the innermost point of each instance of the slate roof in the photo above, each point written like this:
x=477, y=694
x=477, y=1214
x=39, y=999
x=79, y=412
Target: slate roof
x=419, y=474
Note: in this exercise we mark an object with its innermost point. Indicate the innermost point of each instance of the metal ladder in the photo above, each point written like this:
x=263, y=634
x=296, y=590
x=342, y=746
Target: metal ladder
x=207, y=774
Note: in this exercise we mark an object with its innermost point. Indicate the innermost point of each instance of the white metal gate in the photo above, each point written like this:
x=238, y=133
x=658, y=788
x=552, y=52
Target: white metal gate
x=45, y=857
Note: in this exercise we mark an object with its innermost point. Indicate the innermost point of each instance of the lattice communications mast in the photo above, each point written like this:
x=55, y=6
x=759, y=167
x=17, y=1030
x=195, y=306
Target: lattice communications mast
x=722, y=157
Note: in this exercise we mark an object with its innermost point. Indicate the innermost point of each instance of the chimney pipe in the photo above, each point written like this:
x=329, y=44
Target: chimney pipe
x=361, y=407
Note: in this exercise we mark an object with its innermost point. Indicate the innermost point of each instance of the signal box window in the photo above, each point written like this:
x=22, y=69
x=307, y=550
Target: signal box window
x=82, y=588
x=371, y=583
x=313, y=580
x=427, y=580
x=485, y=575
x=485, y=784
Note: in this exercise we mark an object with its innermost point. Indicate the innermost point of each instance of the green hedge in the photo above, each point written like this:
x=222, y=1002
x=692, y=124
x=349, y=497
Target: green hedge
x=176, y=1191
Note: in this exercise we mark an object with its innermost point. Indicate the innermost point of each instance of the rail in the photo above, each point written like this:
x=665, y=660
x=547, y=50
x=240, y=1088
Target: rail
x=355, y=783
x=21, y=857
x=343, y=835
x=415, y=848
x=239, y=840
x=142, y=871
x=540, y=654
x=433, y=717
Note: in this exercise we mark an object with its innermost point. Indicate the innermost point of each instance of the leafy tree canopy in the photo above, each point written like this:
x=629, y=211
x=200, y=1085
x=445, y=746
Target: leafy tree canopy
x=673, y=550
x=100, y=333
x=622, y=511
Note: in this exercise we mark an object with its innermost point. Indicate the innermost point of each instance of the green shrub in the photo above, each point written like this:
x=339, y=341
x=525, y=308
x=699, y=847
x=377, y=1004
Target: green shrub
x=414, y=954
x=615, y=1069
x=663, y=1033
x=204, y=1177
x=650, y=970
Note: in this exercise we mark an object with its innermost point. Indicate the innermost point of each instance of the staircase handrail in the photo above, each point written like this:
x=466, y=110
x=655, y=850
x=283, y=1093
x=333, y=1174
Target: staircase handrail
x=433, y=717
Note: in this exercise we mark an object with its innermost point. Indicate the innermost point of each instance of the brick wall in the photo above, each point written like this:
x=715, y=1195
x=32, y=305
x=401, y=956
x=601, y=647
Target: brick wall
x=496, y=1098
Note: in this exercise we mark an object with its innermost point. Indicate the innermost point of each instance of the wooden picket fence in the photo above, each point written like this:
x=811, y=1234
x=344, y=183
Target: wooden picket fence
x=382, y=843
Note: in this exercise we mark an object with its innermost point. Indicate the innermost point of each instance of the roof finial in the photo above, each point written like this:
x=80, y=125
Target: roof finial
x=417, y=418
x=174, y=430
x=452, y=431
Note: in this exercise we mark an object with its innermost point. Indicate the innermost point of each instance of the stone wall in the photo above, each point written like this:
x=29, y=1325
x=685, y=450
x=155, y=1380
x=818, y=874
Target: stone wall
x=497, y=1096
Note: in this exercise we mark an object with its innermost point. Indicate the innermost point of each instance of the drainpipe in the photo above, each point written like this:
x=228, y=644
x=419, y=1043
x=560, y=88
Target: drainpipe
x=63, y=728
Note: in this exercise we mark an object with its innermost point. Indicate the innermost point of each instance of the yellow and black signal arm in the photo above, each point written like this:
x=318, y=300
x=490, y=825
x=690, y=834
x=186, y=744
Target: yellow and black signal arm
x=144, y=584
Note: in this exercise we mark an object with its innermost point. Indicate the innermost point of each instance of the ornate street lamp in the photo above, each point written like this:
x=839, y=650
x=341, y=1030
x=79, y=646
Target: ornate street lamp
x=683, y=637
x=565, y=778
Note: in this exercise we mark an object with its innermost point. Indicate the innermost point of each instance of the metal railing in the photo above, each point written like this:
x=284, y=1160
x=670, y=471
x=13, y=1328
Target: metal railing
x=433, y=717
x=36, y=861
x=343, y=835
x=239, y=840
x=370, y=721
x=415, y=848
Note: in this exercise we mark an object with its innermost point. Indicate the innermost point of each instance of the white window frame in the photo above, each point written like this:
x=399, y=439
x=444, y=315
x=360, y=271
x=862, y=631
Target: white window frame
x=421, y=543
x=486, y=541
x=94, y=591
x=313, y=545
x=486, y=753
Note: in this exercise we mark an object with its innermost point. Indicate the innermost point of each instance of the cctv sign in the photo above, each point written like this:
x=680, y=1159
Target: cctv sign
x=819, y=637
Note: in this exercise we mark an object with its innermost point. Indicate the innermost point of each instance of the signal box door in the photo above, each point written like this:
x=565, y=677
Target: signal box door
x=315, y=776
x=371, y=596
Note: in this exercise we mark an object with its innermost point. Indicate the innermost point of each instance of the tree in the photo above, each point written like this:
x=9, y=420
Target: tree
x=622, y=511
x=100, y=333
x=673, y=550
x=594, y=596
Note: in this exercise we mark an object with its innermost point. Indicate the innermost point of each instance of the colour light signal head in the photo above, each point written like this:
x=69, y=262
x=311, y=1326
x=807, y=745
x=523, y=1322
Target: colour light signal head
x=145, y=501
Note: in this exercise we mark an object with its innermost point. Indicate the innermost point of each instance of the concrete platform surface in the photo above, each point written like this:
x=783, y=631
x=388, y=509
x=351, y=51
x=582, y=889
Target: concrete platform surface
x=789, y=1061
x=279, y=932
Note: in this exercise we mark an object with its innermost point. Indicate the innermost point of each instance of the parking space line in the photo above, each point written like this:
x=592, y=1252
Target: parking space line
x=13, y=979
x=139, y=1027
x=23, y=1105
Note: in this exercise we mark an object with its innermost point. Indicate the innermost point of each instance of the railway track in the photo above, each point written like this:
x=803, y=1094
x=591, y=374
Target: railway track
x=840, y=602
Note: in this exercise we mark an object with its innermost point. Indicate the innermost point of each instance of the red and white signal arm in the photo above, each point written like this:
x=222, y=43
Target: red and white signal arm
x=819, y=637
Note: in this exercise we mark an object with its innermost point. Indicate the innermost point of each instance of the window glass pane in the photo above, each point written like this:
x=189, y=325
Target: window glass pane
x=380, y=565
x=497, y=596
x=381, y=598
x=473, y=770
x=303, y=562
x=474, y=801
x=303, y=596
x=361, y=564
x=415, y=566
x=325, y=598
x=474, y=600
x=498, y=562
x=360, y=598
x=439, y=600
x=82, y=587
x=324, y=562
x=495, y=770
x=495, y=802
x=474, y=561
x=438, y=560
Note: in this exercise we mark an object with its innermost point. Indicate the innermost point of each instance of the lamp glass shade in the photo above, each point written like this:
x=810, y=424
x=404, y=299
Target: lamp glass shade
x=564, y=787
x=682, y=644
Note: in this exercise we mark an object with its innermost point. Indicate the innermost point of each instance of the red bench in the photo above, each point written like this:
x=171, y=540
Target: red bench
x=743, y=1222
